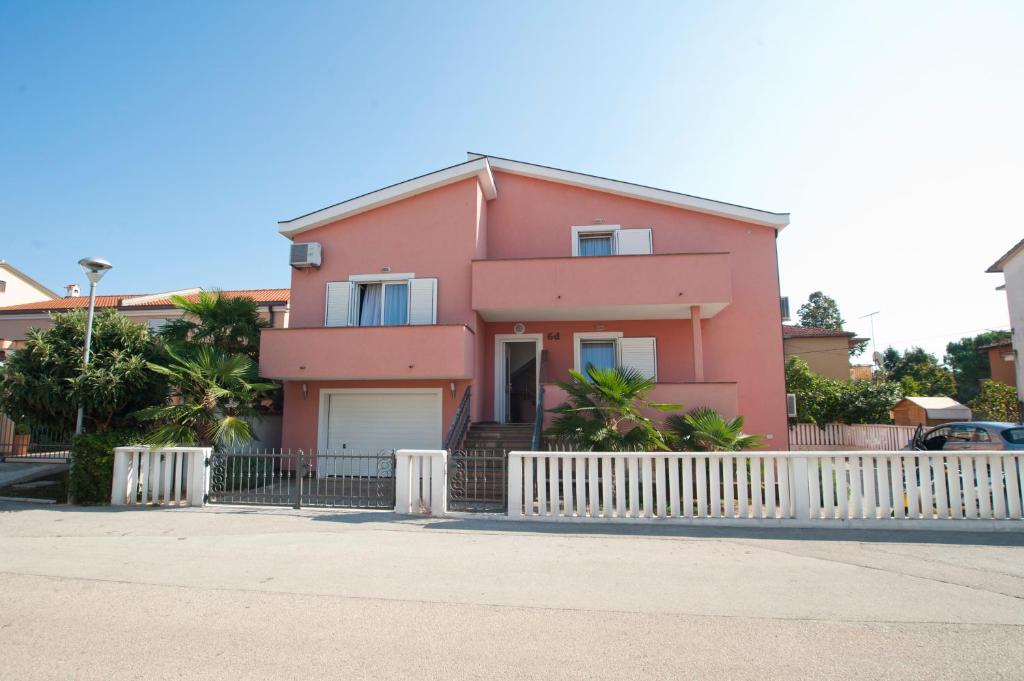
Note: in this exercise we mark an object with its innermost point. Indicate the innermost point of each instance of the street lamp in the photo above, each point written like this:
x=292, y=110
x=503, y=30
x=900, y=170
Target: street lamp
x=94, y=269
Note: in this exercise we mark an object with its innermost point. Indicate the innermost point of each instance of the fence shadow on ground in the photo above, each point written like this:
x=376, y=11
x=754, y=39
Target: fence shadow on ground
x=494, y=525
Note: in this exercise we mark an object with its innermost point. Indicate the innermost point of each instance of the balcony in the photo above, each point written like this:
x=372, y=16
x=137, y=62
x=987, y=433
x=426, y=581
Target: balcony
x=598, y=288
x=367, y=353
x=722, y=397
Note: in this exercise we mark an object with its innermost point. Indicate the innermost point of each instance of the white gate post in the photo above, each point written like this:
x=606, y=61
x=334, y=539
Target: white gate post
x=198, y=475
x=801, y=488
x=403, y=481
x=515, y=485
x=439, y=483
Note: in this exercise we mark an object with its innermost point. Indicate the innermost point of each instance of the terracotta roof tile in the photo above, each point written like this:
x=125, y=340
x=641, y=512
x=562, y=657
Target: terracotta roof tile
x=260, y=295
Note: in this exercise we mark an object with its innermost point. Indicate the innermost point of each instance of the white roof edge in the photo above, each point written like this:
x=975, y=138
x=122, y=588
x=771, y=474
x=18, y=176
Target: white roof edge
x=381, y=197
x=29, y=280
x=149, y=297
x=759, y=217
x=481, y=166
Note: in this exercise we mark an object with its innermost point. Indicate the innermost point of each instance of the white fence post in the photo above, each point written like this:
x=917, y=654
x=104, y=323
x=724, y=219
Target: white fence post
x=801, y=488
x=515, y=485
x=420, y=481
x=438, y=483
x=199, y=475
x=123, y=461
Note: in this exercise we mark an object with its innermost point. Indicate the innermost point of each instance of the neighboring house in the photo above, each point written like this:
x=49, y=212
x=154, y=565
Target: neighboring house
x=862, y=372
x=826, y=351
x=16, y=287
x=1012, y=267
x=928, y=411
x=1002, y=359
x=153, y=309
x=471, y=276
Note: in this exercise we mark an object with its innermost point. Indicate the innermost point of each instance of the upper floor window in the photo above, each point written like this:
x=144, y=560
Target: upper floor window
x=3, y=286
x=392, y=300
x=594, y=240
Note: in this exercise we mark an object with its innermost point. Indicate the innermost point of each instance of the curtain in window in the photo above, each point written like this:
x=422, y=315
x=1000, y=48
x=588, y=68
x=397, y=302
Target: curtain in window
x=601, y=354
x=596, y=245
x=396, y=304
x=369, y=305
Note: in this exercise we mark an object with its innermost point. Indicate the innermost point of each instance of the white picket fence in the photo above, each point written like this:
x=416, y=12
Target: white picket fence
x=805, y=488
x=161, y=476
x=879, y=437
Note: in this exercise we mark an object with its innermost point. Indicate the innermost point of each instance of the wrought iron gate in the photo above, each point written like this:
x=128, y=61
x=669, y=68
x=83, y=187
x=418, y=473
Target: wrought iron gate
x=478, y=481
x=286, y=478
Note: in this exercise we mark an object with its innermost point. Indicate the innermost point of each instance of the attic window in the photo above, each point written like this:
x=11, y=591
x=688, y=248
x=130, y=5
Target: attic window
x=3, y=286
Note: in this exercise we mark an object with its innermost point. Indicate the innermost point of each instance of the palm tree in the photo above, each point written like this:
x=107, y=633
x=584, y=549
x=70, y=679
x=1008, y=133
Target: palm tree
x=705, y=430
x=603, y=412
x=229, y=324
x=214, y=395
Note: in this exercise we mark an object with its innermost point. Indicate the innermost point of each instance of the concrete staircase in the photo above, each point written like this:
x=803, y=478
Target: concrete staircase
x=499, y=437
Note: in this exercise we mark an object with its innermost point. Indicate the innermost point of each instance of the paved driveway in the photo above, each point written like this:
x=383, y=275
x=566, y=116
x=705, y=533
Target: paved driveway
x=231, y=593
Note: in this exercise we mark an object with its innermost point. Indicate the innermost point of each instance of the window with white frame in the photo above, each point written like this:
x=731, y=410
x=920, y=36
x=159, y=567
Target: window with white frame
x=609, y=350
x=155, y=325
x=389, y=300
x=597, y=240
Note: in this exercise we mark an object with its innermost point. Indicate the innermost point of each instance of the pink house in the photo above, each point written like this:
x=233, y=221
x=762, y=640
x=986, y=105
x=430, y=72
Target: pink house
x=474, y=277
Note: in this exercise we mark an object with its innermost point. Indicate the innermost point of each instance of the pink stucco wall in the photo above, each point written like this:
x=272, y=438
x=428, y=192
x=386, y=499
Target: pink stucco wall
x=439, y=234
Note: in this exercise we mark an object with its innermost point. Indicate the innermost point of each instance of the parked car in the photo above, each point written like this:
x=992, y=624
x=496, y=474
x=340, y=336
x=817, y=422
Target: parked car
x=969, y=435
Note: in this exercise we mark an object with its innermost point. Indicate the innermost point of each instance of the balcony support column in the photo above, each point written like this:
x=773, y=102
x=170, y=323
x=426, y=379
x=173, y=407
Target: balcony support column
x=698, y=344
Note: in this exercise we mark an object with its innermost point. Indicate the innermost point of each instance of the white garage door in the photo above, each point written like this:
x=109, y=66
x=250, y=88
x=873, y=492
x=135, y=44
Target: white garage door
x=368, y=422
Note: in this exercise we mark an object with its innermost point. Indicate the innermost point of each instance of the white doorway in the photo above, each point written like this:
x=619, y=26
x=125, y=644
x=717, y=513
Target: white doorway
x=516, y=376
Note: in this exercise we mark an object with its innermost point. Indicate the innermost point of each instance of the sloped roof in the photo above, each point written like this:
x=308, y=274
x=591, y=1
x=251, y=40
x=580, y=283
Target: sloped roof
x=27, y=279
x=794, y=331
x=260, y=295
x=941, y=407
x=998, y=265
x=481, y=166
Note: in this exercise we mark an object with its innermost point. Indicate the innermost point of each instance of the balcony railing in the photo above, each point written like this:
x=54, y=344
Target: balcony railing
x=367, y=353
x=612, y=287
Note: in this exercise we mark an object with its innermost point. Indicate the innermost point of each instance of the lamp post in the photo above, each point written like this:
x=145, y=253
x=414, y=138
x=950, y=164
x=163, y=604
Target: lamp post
x=94, y=269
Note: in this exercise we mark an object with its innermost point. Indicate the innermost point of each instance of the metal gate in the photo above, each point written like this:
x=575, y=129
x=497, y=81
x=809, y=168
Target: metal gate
x=478, y=481
x=297, y=479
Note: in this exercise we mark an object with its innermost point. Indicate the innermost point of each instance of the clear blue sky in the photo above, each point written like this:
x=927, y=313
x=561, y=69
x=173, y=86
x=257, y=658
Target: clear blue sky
x=170, y=137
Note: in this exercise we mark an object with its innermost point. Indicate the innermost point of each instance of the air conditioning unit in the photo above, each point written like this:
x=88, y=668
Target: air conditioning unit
x=791, y=405
x=784, y=303
x=305, y=255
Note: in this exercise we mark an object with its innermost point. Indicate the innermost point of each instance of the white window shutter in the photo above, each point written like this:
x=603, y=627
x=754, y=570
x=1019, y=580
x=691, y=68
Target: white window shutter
x=423, y=301
x=633, y=242
x=640, y=354
x=339, y=303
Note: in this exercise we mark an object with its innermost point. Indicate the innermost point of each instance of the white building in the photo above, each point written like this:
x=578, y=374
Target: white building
x=1012, y=267
x=16, y=287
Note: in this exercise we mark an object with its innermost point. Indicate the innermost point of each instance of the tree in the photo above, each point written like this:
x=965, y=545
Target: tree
x=229, y=324
x=705, y=430
x=214, y=398
x=822, y=311
x=996, y=402
x=602, y=412
x=824, y=400
x=44, y=383
x=918, y=372
x=970, y=364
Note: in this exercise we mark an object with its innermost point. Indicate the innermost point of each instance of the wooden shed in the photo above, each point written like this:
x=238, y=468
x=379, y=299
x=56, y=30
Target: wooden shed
x=928, y=411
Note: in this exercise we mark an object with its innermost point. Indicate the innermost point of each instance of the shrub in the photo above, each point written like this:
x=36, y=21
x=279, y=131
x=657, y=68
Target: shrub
x=92, y=464
x=996, y=402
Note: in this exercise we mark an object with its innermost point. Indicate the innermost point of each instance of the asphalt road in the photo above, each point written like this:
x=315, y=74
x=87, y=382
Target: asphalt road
x=231, y=593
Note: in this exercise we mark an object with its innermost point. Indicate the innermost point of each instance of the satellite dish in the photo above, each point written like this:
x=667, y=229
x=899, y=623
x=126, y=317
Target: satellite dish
x=877, y=356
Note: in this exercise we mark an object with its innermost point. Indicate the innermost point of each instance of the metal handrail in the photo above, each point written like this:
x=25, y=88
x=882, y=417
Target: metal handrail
x=460, y=423
x=538, y=418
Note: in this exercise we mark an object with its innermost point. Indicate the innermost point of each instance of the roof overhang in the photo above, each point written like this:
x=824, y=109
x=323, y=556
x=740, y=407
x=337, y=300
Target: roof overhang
x=998, y=265
x=481, y=166
x=28, y=280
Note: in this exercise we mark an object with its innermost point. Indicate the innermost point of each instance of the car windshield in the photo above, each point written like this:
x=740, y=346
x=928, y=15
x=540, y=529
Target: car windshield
x=1015, y=436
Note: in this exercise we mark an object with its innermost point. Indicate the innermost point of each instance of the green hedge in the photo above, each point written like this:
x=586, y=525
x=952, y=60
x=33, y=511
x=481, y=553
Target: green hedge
x=92, y=464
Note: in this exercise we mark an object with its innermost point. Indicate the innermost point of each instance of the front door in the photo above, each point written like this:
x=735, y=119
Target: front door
x=518, y=395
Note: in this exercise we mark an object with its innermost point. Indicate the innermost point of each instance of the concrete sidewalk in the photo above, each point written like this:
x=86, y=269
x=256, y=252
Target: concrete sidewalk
x=275, y=593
